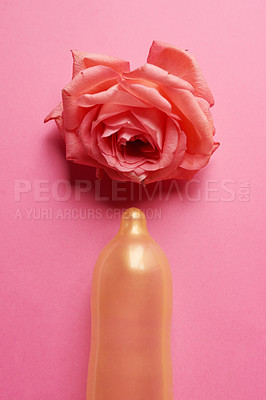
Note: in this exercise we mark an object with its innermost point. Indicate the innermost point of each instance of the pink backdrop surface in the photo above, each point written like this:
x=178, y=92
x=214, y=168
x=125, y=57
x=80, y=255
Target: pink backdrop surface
x=212, y=231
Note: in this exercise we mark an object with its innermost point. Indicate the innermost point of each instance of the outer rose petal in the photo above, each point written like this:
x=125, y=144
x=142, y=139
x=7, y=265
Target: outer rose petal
x=75, y=151
x=82, y=60
x=195, y=161
x=181, y=173
x=113, y=174
x=215, y=146
x=200, y=136
x=84, y=131
x=181, y=64
x=56, y=114
x=204, y=105
x=85, y=82
x=159, y=76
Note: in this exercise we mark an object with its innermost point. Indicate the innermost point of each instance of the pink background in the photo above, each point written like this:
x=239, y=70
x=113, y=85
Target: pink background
x=214, y=243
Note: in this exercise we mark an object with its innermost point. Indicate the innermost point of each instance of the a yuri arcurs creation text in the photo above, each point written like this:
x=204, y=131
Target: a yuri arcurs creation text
x=145, y=125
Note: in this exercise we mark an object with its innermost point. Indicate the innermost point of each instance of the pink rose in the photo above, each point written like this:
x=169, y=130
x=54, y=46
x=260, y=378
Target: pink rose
x=145, y=125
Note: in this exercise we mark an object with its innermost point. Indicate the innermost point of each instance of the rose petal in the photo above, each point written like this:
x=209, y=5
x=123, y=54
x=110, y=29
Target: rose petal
x=107, y=111
x=182, y=64
x=117, y=162
x=89, y=134
x=86, y=81
x=169, y=148
x=215, y=147
x=181, y=173
x=125, y=119
x=113, y=174
x=154, y=122
x=200, y=131
x=105, y=146
x=204, y=105
x=82, y=60
x=108, y=131
x=195, y=161
x=129, y=161
x=56, y=114
x=178, y=156
x=114, y=162
x=84, y=131
x=126, y=134
x=149, y=95
x=75, y=151
x=130, y=176
x=159, y=76
x=114, y=95
x=128, y=137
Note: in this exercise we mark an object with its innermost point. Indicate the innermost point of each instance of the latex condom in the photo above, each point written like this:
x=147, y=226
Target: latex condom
x=131, y=307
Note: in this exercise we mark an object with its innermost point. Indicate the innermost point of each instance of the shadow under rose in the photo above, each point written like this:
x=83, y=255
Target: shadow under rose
x=54, y=142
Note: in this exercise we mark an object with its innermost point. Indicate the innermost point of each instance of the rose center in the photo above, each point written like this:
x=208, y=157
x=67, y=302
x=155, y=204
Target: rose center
x=140, y=148
x=135, y=147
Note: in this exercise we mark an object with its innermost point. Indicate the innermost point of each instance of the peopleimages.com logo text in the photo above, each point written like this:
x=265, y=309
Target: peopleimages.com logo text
x=62, y=190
